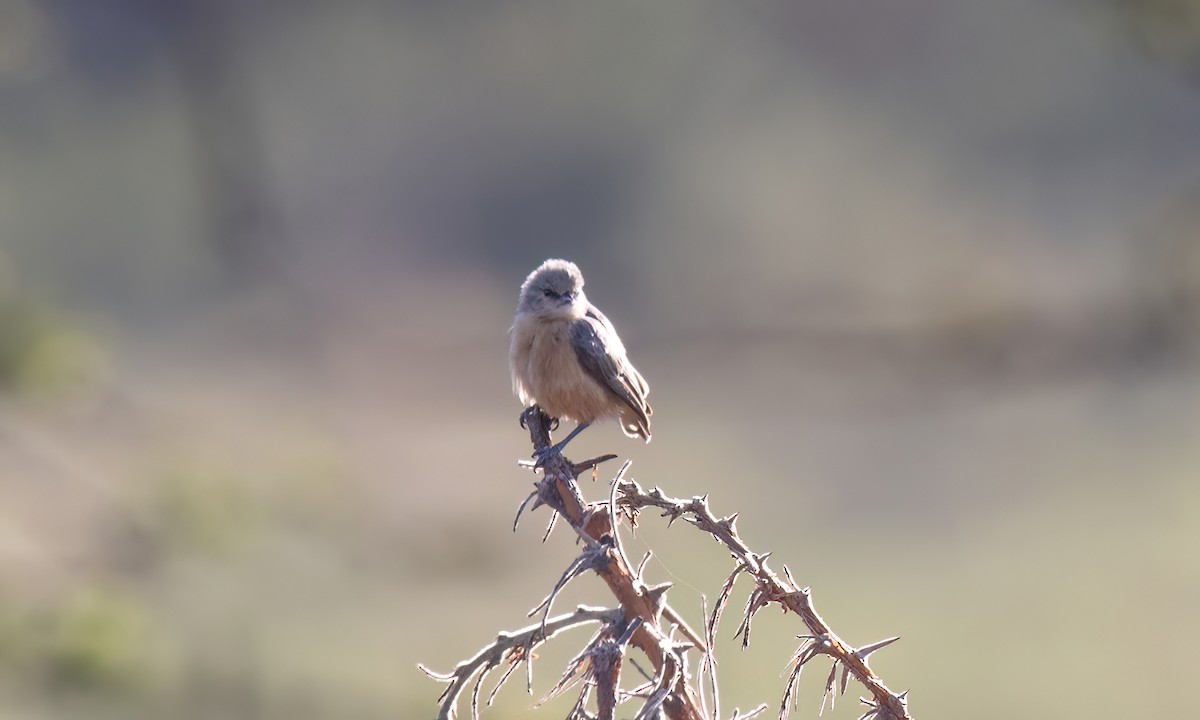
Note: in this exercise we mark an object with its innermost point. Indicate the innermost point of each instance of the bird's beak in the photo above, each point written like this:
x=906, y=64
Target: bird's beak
x=568, y=297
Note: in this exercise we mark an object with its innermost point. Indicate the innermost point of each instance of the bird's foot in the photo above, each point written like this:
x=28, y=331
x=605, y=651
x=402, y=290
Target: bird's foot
x=542, y=456
x=529, y=412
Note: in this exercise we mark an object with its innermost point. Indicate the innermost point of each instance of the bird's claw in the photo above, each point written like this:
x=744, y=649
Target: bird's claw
x=528, y=412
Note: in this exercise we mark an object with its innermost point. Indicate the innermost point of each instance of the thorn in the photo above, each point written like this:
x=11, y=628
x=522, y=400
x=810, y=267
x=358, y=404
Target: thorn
x=756, y=711
x=627, y=633
x=550, y=526
x=829, y=693
x=787, y=572
x=807, y=651
x=440, y=677
x=757, y=561
x=657, y=593
x=641, y=568
x=533, y=495
x=591, y=464
x=869, y=713
x=865, y=651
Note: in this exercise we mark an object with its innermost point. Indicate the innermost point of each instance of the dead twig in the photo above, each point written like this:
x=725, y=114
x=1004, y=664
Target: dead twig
x=513, y=648
x=769, y=588
x=644, y=618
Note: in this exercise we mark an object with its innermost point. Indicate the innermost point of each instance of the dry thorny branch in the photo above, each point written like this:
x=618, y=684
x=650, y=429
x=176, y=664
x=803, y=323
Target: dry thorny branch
x=643, y=619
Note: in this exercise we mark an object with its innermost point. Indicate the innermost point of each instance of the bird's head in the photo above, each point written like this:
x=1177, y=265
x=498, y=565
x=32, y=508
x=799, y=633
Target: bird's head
x=554, y=289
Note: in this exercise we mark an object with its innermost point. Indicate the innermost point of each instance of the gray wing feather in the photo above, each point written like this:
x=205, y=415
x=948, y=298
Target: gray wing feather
x=602, y=356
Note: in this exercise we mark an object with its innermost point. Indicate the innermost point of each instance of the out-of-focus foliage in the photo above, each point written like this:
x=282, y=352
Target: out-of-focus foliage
x=42, y=355
x=93, y=640
x=96, y=640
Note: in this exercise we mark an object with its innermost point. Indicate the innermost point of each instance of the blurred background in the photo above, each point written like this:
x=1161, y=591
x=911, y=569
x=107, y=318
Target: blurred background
x=916, y=285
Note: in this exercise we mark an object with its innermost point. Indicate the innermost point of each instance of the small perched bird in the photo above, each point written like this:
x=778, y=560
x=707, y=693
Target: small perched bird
x=566, y=357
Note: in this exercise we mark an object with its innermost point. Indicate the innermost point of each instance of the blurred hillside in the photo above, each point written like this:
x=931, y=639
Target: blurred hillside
x=917, y=289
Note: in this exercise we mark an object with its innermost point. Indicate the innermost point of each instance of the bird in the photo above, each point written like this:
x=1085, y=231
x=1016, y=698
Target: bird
x=566, y=358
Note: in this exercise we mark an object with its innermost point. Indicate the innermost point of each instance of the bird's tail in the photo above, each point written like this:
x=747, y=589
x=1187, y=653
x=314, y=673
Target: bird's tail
x=636, y=423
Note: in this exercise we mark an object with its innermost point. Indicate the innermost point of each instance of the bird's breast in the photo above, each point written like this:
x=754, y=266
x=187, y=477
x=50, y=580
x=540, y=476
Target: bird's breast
x=546, y=371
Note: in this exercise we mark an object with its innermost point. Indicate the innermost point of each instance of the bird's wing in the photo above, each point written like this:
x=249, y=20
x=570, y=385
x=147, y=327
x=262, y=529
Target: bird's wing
x=602, y=356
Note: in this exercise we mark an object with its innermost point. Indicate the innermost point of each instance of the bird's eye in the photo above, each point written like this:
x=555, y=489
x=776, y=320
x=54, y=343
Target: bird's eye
x=548, y=292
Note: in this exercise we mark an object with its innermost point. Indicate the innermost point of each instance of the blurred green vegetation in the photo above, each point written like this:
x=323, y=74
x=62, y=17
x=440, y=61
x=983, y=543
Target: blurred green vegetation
x=202, y=511
x=96, y=641
x=92, y=640
x=43, y=356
